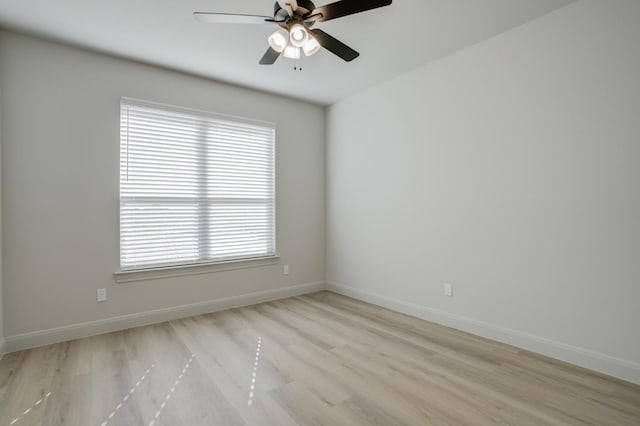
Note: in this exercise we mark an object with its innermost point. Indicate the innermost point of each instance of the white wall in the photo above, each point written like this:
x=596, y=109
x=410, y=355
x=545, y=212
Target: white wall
x=510, y=169
x=60, y=158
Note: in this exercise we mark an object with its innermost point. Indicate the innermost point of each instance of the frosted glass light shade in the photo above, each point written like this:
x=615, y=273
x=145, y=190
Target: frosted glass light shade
x=279, y=40
x=311, y=47
x=292, y=52
x=298, y=35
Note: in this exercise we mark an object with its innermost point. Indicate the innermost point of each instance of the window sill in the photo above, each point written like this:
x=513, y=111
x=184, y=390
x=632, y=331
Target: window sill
x=184, y=270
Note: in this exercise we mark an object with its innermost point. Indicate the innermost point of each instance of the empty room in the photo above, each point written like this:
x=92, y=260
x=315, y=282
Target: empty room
x=339, y=212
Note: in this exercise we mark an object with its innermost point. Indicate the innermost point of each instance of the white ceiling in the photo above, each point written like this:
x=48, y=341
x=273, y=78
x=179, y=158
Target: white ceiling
x=391, y=40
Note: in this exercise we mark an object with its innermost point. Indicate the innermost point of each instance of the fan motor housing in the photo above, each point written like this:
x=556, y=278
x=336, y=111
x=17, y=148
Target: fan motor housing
x=304, y=8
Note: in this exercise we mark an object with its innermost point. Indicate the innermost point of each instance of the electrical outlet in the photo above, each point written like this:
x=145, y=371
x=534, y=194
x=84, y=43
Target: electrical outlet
x=448, y=290
x=101, y=294
x=285, y=269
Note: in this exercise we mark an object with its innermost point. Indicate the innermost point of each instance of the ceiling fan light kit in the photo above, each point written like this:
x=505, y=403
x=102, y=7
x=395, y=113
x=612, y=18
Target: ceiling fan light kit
x=311, y=47
x=296, y=19
x=289, y=42
x=292, y=52
x=279, y=40
x=298, y=35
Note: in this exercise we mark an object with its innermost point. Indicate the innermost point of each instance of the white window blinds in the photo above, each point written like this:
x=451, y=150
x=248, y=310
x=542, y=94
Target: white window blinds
x=194, y=187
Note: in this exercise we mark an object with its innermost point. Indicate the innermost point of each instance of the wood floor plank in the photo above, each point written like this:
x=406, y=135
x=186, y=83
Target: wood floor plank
x=230, y=378
x=373, y=319
x=318, y=359
x=305, y=408
x=26, y=380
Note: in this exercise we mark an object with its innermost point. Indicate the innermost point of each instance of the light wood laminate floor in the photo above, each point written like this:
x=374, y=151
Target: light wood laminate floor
x=319, y=359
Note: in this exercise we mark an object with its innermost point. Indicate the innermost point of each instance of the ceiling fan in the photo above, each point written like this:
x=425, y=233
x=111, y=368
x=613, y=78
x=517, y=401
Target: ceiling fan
x=296, y=19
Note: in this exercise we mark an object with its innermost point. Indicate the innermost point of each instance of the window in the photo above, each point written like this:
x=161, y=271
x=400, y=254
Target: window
x=195, y=187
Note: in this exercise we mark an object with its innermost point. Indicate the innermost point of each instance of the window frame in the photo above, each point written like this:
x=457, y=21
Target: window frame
x=137, y=273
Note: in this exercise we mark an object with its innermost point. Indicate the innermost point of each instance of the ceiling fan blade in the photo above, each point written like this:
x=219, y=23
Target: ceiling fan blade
x=230, y=18
x=269, y=57
x=334, y=45
x=346, y=7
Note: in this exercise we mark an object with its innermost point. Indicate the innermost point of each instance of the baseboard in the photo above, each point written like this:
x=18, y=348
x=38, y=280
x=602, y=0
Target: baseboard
x=3, y=347
x=75, y=331
x=620, y=368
